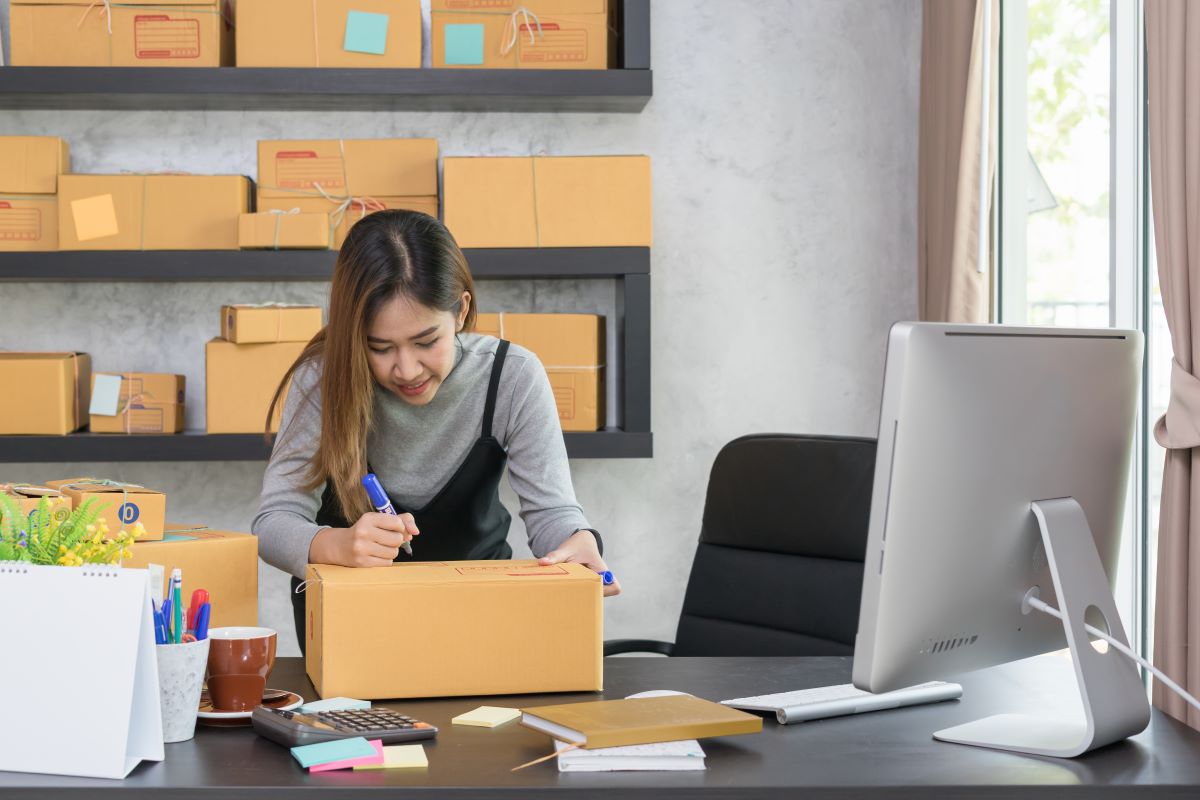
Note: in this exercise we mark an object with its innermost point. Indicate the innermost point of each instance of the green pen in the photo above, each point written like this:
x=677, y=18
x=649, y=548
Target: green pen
x=177, y=604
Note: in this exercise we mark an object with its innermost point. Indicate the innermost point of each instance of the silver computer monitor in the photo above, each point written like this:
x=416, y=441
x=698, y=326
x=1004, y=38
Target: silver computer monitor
x=977, y=423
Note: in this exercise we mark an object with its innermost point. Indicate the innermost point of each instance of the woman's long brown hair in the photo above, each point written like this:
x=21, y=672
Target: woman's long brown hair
x=386, y=255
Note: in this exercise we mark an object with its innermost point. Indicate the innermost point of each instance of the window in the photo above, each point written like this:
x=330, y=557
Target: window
x=1072, y=234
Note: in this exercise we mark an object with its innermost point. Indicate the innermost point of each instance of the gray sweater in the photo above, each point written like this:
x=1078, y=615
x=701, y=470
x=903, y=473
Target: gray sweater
x=416, y=449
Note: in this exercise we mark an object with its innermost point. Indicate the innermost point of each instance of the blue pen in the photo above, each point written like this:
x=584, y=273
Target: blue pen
x=160, y=635
x=202, y=616
x=606, y=578
x=380, y=501
x=165, y=613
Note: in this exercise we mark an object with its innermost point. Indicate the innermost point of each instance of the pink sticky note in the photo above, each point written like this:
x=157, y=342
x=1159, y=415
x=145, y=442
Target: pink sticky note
x=353, y=762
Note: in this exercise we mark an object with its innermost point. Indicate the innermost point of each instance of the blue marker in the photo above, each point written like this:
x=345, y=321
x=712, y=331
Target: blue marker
x=380, y=501
x=606, y=578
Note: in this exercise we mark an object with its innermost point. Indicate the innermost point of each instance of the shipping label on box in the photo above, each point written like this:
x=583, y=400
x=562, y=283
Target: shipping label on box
x=32, y=164
x=548, y=201
x=28, y=223
x=270, y=322
x=28, y=498
x=151, y=212
x=285, y=230
x=223, y=562
x=46, y=393
x=137, y=402
x=572, y=349
x=132, y=33
x=475, y=628
x=241, y=382
x=124, y=503
x=331, y=33
x=533, y=34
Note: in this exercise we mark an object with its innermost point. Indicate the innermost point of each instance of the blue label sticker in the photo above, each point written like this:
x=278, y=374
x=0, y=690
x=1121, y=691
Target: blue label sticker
x=128, y=513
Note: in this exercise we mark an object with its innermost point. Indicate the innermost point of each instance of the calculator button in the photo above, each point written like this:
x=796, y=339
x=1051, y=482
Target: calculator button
x=422, y=725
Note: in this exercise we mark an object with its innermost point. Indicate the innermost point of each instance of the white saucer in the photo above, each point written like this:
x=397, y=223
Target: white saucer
x=293, y=703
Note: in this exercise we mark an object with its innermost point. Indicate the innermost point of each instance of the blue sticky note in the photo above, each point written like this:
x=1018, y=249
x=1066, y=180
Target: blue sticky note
x=311, y=755
x=365, y=32
x=464, y=44
x=335, y=704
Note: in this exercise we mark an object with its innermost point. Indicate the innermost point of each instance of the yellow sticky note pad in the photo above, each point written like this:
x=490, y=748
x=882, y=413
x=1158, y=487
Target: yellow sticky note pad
x=399, y=756
x=95, y=217
x=487, y=716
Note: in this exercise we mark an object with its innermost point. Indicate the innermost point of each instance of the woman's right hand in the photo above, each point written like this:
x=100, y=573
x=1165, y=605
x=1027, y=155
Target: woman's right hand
x=373, y=541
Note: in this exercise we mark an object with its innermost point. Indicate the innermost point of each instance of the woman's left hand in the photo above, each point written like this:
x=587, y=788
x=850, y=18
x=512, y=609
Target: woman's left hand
x=581, y=549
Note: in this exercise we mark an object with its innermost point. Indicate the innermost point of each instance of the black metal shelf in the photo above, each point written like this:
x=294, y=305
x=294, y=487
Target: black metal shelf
x=201, y=446
x=304, y=265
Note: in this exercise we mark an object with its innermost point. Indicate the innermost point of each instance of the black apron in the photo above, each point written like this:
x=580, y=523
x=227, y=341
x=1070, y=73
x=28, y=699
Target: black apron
x=465, y=521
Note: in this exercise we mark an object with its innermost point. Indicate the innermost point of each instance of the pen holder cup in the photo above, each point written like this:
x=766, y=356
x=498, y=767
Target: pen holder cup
x=180, y=679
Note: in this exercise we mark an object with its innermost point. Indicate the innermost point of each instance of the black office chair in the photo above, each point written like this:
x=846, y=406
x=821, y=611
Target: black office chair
x=778, y=570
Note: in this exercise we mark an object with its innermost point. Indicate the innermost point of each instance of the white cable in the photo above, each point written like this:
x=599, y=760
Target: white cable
x=1041, y=605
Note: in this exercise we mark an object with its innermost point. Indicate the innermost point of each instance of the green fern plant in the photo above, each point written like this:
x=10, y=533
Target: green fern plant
x=43, y=537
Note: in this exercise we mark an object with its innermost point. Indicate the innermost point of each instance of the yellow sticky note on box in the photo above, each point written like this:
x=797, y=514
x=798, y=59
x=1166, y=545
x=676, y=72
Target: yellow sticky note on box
x=399, y=756
x=487, y=716
x=95, y=217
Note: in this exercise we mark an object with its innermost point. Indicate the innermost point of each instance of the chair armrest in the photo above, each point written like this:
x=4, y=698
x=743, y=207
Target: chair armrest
x=615, y=647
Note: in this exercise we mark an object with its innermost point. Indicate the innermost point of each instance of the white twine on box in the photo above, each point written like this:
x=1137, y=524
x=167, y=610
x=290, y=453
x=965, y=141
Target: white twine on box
x=512, y=29
x=279, y=214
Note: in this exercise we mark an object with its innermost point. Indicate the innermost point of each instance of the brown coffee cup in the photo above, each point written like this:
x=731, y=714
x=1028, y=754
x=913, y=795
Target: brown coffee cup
x=240, y=660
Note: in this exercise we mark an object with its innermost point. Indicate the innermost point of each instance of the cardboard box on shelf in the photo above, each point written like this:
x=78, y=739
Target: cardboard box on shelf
x=331, y=33
x=548, y=201
x=29, y=496
x=269, y=322
x=124, y=503
x=523, y=34
x=136, y=402
x=132, y=33
x=347, y=178
x=45, y=393
x=490, y=610
x=32, y=164
x=285, y=229
x=571, y=347
x=223, y=562
x=28, y=222
x=151, y=212
x=241, y=381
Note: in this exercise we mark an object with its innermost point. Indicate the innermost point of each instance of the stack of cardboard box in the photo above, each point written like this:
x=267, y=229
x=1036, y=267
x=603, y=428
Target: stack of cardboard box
x=30, y=167
x=548, y=201
x=245, y=366
x=347, y=178
x=132, y=33
x=571, y=348
x=524, y=34
x=151, y=212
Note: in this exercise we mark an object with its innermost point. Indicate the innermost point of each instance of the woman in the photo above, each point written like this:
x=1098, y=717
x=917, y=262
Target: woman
x=395, y=385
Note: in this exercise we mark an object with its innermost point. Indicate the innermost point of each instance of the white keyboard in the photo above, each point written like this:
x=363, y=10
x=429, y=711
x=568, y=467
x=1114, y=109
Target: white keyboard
x=835, y=701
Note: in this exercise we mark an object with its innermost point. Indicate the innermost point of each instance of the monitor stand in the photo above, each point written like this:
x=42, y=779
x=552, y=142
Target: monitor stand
x=1114, y=698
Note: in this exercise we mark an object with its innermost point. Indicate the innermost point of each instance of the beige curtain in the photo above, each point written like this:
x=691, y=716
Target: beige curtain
x=1173, y=94
x=950, y=285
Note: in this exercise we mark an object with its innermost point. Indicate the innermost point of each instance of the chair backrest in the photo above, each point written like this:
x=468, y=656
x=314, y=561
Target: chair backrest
x=778, y=570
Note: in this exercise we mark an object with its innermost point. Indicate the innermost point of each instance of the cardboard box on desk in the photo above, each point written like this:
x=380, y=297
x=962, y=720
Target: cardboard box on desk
x=141, y=402
x=572, y=348
x=347, y=178
x=141, y=33
x=270, y=322
x=285, y=229
x=523, y=34
x=331, y=33
x=241, y=380
x=125, y=503
x=548, y=201
x=151, y=212
x=485, y=627
x=32, y=164
x=28, y=496
x=44, y=393
x=223, y=562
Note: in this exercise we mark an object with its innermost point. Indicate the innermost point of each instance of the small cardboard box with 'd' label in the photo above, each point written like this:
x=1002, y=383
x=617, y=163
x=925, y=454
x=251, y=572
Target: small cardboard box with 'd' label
x=125, y=503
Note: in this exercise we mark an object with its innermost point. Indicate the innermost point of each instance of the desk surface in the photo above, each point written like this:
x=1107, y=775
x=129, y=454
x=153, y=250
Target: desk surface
x=885, y=754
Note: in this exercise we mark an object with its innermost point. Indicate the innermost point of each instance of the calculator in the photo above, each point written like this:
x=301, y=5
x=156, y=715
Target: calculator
x=293, y=728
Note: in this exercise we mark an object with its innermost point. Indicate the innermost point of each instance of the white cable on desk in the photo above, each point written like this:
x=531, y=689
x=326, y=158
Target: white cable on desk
x=1041, y=605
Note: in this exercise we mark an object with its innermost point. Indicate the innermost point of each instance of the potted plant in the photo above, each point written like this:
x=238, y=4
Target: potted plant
x=43, y=537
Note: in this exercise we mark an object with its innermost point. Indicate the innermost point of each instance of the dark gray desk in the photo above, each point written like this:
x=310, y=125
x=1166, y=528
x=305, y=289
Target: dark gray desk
x=887, y=754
